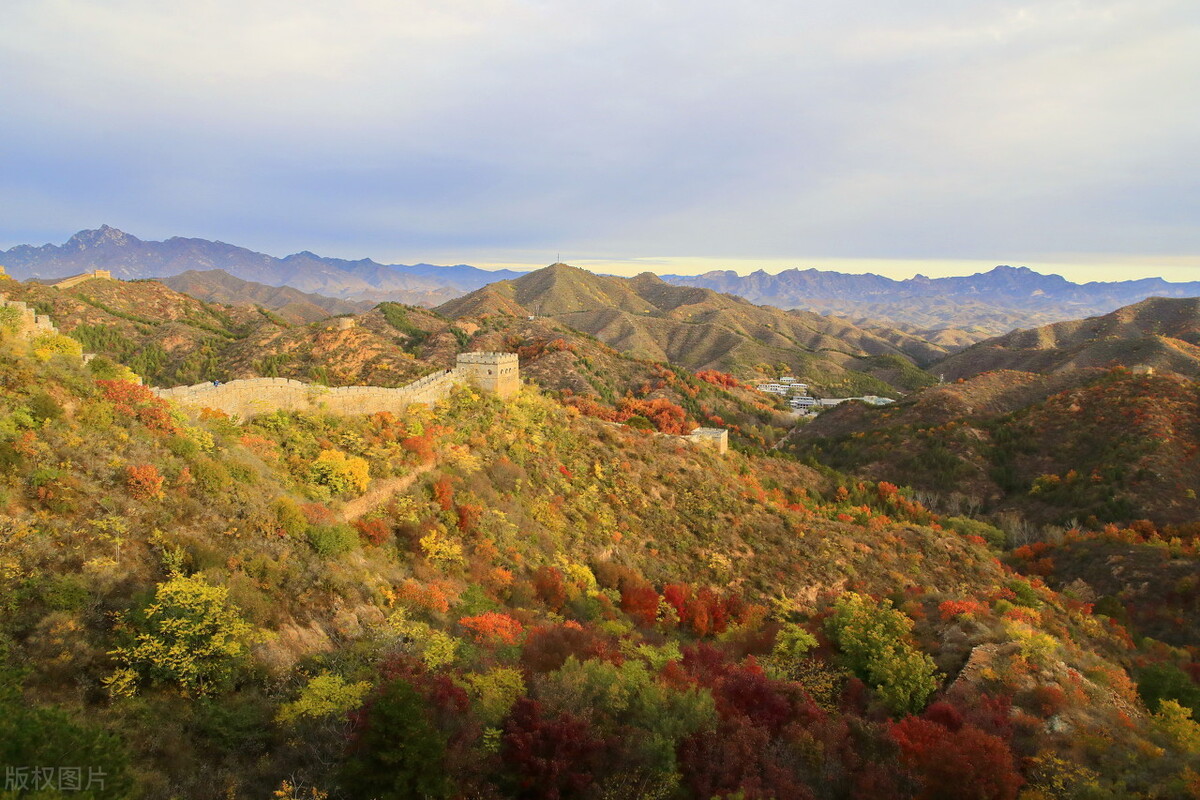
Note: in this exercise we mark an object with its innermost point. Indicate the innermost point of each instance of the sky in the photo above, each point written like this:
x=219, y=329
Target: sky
x=891, y=136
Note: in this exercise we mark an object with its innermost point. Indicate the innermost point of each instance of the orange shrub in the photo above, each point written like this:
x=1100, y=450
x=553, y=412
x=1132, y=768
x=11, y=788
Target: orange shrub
x=144, y=482
x=493, y=627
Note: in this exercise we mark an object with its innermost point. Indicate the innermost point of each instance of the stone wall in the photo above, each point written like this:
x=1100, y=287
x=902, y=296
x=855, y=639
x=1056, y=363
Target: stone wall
x=75, y=280
x=252, y=396
x=30, y=323
x=715, y=438
x=493, y=372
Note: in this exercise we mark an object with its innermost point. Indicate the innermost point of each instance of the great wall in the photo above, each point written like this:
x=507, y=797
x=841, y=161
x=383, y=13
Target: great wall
x=27, y=322
x=492, y=372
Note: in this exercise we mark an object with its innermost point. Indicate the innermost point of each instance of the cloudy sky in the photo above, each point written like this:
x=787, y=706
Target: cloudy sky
x=887, y=135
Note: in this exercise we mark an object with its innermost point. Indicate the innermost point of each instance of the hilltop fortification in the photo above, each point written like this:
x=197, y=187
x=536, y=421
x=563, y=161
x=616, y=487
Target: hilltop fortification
x=492, y=372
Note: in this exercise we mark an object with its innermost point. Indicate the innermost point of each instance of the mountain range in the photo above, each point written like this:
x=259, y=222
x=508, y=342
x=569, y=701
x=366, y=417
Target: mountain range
x=990, y=303
x=951, y=312
x=218, y=286
x=129, y=257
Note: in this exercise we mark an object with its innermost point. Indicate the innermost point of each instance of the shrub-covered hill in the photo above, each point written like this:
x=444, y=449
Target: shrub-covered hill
x=495, y=599
x=1159, y=332
x=1077, y=447
x=173, y=339
x=700, y=329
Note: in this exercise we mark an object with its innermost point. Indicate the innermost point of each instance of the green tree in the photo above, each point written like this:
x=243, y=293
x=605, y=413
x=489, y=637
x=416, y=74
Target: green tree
x=68, y=752
x=873, y=637
x=399, y=753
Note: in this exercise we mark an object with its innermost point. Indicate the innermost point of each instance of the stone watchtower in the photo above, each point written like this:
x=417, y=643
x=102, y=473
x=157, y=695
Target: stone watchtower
x=493, y=372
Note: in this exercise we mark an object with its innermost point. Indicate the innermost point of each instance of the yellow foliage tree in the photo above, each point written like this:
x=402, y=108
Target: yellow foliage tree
x=340, y=473
x=324, y=696
x=193, y=639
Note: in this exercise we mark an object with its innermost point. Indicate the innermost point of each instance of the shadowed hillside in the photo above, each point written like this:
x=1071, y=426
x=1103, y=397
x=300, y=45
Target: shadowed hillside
x=1078, y=446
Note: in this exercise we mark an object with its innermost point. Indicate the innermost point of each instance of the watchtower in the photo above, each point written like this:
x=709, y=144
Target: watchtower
x=493, y=372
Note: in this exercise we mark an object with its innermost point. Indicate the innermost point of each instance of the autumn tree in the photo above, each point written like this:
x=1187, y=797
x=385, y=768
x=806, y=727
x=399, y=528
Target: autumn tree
x=873, y=638
x=192, y=638
x=549, y=758
x=962, y=763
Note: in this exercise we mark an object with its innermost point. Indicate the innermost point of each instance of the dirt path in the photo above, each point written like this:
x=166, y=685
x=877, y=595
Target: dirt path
x=379, y=492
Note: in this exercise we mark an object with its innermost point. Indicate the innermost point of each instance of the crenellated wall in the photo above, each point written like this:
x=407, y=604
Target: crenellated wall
x=249, y=397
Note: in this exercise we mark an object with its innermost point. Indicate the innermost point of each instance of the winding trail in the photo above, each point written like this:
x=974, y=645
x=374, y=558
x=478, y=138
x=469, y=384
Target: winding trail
x=381, y=491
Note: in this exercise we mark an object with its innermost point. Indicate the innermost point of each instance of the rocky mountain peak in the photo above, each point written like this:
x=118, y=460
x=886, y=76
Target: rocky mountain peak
x=104, y=235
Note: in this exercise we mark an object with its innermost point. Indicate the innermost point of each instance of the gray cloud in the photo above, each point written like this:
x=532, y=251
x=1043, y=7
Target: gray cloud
x=499, y=130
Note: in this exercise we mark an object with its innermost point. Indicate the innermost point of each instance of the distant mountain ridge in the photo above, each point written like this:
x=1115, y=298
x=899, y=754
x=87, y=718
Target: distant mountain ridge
x=996, y=301
x=129, y=257
x=218, y=286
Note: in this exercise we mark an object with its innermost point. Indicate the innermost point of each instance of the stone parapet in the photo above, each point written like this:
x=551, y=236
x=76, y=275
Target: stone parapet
x=252, y=396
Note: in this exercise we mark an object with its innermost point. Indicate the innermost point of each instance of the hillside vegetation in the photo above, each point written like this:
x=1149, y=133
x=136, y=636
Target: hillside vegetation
x=173, y=339
x=495, y=599
x=1084, y=446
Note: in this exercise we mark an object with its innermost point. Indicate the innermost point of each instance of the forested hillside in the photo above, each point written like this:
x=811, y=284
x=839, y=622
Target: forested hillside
x=1078, y=447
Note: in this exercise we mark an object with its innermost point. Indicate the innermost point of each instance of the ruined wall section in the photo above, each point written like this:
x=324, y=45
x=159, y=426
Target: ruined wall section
x=252, y=396
x=29, y=322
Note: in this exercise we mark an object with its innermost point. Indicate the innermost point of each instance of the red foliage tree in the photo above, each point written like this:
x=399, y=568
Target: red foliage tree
x=468, y=516
x=747, y=692
x=640, y=602
x=443, y=493
x=137, y=401
x=679, y=597
x=737, y=757
x=548, y=582
x=722, y=379
x=317, y=513
x=548, y=648
x=420, y=446
x=666, y=416
x=963, y=764
x=144, y=481
x=375, y=530
x=550, y=759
